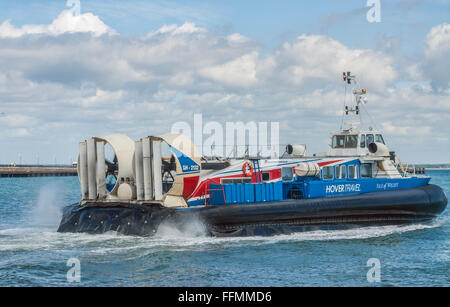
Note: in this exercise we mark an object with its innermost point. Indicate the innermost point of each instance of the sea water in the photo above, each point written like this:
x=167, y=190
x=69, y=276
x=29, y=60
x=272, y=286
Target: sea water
x=32, y=253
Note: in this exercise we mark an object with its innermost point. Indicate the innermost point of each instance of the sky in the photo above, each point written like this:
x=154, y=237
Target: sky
x=71, y=72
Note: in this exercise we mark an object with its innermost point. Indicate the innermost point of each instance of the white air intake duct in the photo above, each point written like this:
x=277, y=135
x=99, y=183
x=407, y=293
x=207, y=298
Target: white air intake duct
x=296, y=150
x=379, y=149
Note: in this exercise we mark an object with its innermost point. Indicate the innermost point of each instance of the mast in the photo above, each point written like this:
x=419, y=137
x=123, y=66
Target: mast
x=360, y=100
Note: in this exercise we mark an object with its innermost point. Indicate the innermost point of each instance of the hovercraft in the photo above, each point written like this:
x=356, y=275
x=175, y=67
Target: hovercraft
x=358, y=183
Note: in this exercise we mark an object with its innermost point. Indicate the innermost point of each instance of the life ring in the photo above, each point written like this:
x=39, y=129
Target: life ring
x=248, y=170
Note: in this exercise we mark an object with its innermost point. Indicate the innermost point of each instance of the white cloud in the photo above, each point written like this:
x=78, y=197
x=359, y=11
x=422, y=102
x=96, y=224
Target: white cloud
x=66, y=22
x=237, y=38
x=437, y=38
x=17, y=120
x=73, y=86
x=102, y=98
x=17, y=133
x=437, y=62
x=319, y=99
x=186, y=28
x=316, y=57
x=240, y=72
x=394, y=130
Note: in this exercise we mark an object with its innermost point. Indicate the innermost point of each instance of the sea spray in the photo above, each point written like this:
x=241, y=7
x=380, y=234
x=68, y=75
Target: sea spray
x=48, y=210
x=189, y=227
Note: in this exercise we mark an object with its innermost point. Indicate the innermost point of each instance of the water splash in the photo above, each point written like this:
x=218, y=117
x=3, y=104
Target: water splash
x=189, y=228
x=189, y=236
x=349, y=234
x=48, y=209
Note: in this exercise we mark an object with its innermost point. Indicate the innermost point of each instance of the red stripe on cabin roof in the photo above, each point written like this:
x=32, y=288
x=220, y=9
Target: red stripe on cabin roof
x=328, y=163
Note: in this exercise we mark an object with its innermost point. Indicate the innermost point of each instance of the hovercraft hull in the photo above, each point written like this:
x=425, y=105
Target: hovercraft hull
x=419, y=205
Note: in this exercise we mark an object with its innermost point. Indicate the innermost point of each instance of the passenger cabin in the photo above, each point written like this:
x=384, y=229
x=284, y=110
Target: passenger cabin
x=353, y=143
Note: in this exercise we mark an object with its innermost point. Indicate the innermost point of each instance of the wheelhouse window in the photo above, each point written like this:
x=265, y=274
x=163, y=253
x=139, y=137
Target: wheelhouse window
x=339, y=141
x=328, y=173
x=266, y=176
x=353, y=172
x=345, y=141
x=366, y=170
x=287, y=174
x=370, y=139
x=341, y=172
x=379, y=139
x=363, y=141
x=351, y=141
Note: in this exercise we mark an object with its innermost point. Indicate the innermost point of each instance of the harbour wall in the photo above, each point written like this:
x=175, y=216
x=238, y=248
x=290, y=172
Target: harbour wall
x=37, y=171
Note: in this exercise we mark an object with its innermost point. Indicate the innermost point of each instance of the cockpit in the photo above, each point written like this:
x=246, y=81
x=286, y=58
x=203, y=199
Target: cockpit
x=369, y=138
x=350, y=142
x=345, y=141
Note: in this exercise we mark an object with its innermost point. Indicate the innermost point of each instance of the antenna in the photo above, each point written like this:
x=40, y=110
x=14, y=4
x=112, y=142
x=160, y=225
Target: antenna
x=359, y=99
x=348, y=77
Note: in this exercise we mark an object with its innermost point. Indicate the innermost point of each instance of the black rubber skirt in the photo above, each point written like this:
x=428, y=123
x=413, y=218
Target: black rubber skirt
x=420, y=205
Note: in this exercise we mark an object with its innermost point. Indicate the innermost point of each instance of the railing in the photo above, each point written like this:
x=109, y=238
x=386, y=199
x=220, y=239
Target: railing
x=244, y=151
x=410, y=169
x=210, y=192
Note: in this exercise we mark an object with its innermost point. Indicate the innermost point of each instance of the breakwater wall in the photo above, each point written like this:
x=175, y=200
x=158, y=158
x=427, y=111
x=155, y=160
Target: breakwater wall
x=37, y=171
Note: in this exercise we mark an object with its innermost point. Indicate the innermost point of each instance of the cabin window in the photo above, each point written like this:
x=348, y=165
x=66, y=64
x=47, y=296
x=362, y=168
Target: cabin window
x=338, y=172
x=366, y=170
x=341, y=172
x=344, y=171
x=351, y=141
x=266, y=176
x=342, y=141
x=339, y=141
x=363, y=141
x=328, y=173
x=236, y=180
x=370, y=139
x=287, y=173
x=379, y=139
x=352, y=172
